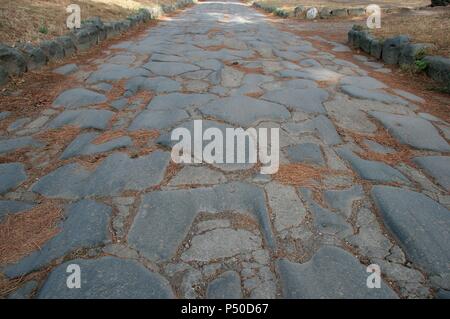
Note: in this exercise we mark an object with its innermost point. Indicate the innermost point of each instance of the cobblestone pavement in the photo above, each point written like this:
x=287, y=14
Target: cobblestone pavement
x=141, y=227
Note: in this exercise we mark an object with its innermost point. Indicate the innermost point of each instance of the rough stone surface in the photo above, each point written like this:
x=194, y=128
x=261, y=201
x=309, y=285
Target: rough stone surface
x=12, y=60
x=117, y=173
x=227, y=286
x=414, y=131
x=158, y=240
x=243, y=110
x=372, y=170
x=79, y=97
x=107, y=278
x=287, y=208
x=13, y=144
x=332, y=273
x=306, y=153
x=421, y=225
x=306, y=100
x=11, y=175
x=85, y=225
x=83, y=145
x=85, y=118
x=438, y=167
x=211, y=245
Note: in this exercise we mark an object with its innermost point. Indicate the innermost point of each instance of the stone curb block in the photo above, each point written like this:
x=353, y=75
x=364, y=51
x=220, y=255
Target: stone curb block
x=16, y=61
x=300, y=11
x=399, y=51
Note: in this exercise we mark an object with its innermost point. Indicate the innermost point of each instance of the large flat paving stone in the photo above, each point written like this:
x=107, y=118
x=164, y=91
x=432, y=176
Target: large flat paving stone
x=85, y=118
x=364, y=82
x=371, y=170
x=117, y=173
x=12, y=144
x=332, y=273
x=158, y=119
x=438, y=167
x=226, y=286
x=158, y=84
x=115, y=72
x=244, y=110
x=107, y=278
x=306, y=100
x=221, y=243
x=179, y=101
x=348, y=115
x=11, y=176
x=170, y=68
x=78, y=97
x=165, y=217
x=326, y=221
x=421, y=225
x=414, y=131
x=314, y=73
x=321, y=125
x=197, y=175
x=85, y=225
x=361, y=93
x=309, y=153
x=83, y=145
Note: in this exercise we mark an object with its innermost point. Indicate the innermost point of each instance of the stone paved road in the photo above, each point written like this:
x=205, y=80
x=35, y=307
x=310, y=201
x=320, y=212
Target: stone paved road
x=140, y=227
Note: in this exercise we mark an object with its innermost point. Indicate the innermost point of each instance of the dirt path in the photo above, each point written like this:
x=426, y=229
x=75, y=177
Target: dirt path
x=87, y=177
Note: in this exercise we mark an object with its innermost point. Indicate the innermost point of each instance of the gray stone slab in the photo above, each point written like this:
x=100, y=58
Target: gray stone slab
x=25, y=291
x=342, y=199
x=66, y=69
x=288, y=210
x=170, y=68
x=85, y=118
x=436, y=166
x=10, y=145
x=11, y=176
x=211, y=245
x=378, y=148
x=421, y=225
x=158, y=119
x=85, y=225
x=306, y=100
x=107, y=278
x=82, y=145
x=306, y=153
x=348, y=114
x=79, y=97
x=374, y=95
x=117, y=173
x=364, y=82
x=412, y=130
x=158, y=84
x=179, y=101
x=193, y=175
x=332, y=273
x=316, y=74
x=244, y=110
x=226, y=286
x=326, y=221
x=371, y=170
x=165, y=217
x=115, y=72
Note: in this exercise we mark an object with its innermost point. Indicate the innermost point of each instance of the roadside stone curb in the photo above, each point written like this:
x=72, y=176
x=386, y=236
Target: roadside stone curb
x=400, y=51
x=300, y=11
x=25, y=57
